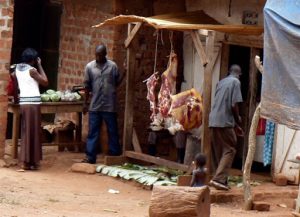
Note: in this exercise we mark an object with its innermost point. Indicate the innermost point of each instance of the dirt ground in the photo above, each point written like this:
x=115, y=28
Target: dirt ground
x=55, y=191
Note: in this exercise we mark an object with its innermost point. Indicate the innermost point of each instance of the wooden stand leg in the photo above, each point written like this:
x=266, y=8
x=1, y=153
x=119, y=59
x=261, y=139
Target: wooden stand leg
x=78, y=132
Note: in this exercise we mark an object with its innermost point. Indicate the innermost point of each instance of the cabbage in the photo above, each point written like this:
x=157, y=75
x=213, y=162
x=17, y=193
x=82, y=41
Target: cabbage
x=77, y=96
x=50, y=91
x=54, y=97
x=45, y=97
x=59, y=93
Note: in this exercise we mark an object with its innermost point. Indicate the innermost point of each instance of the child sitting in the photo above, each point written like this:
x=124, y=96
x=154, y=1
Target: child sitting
x=199, y=174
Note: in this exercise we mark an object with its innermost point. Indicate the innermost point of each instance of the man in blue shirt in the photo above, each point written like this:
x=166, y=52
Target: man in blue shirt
x=225, y=122
x=101, y=80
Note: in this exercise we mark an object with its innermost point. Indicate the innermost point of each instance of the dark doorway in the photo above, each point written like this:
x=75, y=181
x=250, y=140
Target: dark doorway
x=241, y=55
x=37, y=25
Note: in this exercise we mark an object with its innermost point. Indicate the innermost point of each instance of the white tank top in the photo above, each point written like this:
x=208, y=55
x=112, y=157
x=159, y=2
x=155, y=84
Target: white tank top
x=29, y=87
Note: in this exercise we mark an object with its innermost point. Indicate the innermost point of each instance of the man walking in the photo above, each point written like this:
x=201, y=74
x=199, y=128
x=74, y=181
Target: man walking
x=101, y=79
x=225, y=122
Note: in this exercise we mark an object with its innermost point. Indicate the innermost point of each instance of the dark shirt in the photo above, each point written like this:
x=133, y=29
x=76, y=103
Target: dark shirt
x=102, y=80
x=228, y=93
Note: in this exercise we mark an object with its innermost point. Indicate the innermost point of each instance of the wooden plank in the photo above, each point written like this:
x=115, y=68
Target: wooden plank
x=129, y=98
x=132, y=34
x=199, y=47
x=114, y=160
x=244, y=40
x=156, y=160
x=224, y=61
x=62, y=143
x=135, y=142
x=252, y=94
x=184, y=180
x=207, y=88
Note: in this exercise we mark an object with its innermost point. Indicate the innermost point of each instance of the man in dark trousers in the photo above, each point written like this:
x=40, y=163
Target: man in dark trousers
x=225, y=124
x=101, y=79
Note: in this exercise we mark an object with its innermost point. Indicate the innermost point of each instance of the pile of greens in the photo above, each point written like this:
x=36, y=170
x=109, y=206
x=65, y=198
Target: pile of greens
x=148, y=176
x=55, y=96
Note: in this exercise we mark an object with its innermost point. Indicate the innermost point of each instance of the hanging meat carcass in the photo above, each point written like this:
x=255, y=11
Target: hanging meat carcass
x=168, y=86
x=151, y=83
x=186, y=108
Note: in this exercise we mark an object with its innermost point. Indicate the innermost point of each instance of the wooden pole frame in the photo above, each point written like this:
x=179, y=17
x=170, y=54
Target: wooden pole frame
x=207, y=90
x=131, y=145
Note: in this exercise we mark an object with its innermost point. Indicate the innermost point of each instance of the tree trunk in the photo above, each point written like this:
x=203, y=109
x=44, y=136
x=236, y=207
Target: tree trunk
x=248, y=164
x=171, y=201
x=248, y=199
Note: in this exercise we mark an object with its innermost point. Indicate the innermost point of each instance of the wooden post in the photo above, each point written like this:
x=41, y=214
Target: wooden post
x=129, y=97
x=248, y=198
x=224, y=61
x=199, y=47
x=252, y=98
x=207, y=87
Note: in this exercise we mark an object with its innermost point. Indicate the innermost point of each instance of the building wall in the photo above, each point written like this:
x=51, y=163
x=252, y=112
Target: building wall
x=6, y=26
x=78, y=41
x=221, y=10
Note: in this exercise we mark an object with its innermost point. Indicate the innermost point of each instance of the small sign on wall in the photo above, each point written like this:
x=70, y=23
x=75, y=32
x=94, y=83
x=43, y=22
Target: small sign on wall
x=250, y=18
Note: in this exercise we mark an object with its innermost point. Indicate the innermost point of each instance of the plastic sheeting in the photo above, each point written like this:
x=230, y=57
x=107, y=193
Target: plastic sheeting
x=281, y=79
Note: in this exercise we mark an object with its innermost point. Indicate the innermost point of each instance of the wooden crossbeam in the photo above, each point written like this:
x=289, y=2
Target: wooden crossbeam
x=199, y=47
x=132, y=34
x=156, y=160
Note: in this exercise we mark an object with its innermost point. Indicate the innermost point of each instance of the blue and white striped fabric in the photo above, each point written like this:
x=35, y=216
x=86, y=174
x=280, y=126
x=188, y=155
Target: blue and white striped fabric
x=268, y=144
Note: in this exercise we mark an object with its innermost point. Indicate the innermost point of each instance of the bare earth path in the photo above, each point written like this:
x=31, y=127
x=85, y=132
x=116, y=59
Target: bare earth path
x=54, y=191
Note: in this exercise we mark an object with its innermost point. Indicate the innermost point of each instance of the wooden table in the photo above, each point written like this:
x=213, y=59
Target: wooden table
x=46, y=108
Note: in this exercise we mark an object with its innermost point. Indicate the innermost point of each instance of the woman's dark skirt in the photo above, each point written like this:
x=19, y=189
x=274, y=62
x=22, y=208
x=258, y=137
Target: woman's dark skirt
x=31, y=148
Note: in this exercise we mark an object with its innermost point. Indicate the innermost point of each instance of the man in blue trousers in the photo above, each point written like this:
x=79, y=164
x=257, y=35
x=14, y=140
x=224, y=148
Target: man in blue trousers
x=101, y=80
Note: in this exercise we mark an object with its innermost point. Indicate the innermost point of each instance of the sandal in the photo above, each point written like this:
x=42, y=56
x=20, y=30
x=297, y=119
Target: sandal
x=34, y=167
x=25, y=166
x=85, y=160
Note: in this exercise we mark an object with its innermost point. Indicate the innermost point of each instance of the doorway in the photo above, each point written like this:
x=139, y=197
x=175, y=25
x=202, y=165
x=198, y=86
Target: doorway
x=241, y=55
x=37, y=25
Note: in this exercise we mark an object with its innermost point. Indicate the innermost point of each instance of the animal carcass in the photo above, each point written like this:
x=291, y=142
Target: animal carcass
x=151, y=83
x=186, y=108
x=168, y=86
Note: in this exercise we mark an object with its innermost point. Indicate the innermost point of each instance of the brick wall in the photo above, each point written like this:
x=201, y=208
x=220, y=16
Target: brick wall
x=6, y=24
x=77, y=44
x=78, y=40
x=147, y=41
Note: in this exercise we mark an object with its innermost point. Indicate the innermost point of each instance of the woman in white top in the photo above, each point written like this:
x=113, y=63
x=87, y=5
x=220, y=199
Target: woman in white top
x=27, y=79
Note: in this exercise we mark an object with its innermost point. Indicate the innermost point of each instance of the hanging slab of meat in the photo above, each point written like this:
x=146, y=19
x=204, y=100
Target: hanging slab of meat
x=168, y=86
x=151, y=83
x=186, y=108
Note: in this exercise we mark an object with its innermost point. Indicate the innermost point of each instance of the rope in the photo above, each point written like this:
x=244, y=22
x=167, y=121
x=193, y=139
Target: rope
x=162, y=38
x=171, y=40
x=155, y=57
